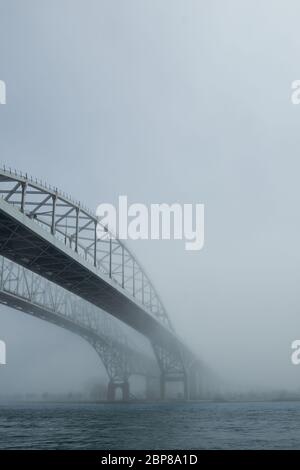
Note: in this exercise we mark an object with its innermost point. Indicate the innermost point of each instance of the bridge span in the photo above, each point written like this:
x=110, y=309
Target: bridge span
x=55, y=237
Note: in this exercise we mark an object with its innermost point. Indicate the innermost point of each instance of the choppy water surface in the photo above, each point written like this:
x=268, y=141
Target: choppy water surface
x=151, y=426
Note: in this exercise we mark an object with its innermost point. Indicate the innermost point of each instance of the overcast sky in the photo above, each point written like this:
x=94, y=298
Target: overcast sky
x=166, y=101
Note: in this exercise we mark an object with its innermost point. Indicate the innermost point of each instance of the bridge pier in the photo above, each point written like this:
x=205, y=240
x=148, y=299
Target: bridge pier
x=162, y=387
x=173, y=368
x=164, y=379
x=114, y=386
x=152, y=384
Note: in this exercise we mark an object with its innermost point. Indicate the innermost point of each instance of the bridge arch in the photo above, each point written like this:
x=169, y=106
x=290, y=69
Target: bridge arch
x=47, y=232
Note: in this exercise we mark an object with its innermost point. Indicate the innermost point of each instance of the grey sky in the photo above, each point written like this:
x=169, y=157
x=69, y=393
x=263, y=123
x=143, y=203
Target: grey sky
x=167, y=101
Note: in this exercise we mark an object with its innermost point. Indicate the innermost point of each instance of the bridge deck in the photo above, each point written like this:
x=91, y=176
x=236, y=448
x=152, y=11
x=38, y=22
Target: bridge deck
x=27, y=243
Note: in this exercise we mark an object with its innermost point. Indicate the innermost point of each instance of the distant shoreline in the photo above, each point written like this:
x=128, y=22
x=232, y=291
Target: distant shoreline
x=142, y=402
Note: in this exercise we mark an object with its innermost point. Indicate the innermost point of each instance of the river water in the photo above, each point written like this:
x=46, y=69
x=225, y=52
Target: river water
x=265, y=425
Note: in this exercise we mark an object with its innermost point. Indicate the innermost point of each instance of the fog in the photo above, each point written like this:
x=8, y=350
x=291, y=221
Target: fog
x=173, y=101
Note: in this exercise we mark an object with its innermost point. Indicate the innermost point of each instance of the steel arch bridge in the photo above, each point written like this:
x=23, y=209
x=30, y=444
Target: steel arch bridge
x=61, y=241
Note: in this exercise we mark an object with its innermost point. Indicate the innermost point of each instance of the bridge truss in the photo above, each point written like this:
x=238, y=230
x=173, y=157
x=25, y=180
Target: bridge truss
x=30, y=293
x=50, y=234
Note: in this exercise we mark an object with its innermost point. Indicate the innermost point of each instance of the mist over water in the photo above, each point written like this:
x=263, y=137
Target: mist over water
x=166, y=102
